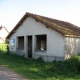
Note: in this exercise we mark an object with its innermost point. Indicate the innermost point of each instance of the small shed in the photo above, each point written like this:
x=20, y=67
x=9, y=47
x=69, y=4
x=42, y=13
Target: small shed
x=3, y=34
x=52, y=39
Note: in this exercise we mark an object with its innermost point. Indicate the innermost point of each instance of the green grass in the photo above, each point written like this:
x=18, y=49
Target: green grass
x=3, y=47
x=37, y=69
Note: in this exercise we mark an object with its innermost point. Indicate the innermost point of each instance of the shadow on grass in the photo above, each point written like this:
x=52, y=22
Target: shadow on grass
x=37, y=69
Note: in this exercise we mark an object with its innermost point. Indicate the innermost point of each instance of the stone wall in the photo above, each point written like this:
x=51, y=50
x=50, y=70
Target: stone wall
x=48, y=58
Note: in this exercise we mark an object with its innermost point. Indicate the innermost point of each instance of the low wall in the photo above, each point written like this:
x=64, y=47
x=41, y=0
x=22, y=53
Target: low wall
x=48, y=58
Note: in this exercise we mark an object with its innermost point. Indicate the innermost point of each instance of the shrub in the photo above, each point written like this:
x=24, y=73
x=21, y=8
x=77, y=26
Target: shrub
x=71, y=65
x=8, y=52
x=40, y=59
x=7, y=41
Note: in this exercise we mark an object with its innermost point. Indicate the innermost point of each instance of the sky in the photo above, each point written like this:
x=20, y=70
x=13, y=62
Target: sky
x=11, y=11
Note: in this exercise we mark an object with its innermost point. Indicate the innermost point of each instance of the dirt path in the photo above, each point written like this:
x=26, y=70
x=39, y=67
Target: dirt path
x=6, y=74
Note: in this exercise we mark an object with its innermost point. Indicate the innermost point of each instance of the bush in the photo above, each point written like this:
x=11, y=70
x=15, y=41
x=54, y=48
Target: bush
x=40, y=59
x=71, y=65
x=8, y=52
x=7, y=41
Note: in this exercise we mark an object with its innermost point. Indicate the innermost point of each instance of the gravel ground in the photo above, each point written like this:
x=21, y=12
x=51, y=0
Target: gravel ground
x=7, y=74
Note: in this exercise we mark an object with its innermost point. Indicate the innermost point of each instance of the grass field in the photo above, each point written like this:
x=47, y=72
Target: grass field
x=39, y=70
x=3, y=47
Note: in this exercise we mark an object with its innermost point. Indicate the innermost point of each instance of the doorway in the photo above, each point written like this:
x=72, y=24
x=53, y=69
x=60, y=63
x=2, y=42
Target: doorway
x=29, y=46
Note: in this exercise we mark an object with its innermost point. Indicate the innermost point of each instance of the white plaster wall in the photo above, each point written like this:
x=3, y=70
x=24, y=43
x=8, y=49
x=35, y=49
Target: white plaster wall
x=3, y=34
x=55, y=41
x=72, y=45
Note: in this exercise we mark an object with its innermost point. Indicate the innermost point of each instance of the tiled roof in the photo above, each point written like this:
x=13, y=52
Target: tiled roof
x=64, y=28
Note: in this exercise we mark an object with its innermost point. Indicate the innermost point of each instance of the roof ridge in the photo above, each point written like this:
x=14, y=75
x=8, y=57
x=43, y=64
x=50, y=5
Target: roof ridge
x=55, y=19
x=4, y=28
x=63, y=27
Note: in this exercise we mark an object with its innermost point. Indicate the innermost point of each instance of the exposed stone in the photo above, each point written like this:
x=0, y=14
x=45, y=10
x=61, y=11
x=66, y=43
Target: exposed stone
x=48, y=58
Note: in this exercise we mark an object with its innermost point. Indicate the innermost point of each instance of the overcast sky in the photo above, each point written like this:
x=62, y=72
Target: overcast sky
x=11, y=11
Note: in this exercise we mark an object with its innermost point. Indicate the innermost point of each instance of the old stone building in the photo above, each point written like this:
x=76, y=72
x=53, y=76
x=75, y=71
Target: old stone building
x=52, y=39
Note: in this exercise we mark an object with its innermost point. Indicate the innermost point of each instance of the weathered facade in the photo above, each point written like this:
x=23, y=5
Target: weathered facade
x=33, y=38
x=72, y=46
